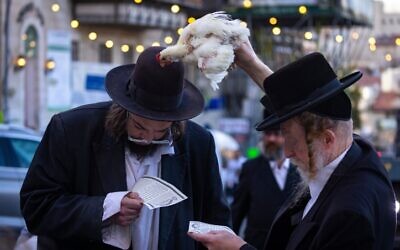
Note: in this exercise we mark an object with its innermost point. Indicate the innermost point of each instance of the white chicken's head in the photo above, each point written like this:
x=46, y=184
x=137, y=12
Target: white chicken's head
x=173, y=53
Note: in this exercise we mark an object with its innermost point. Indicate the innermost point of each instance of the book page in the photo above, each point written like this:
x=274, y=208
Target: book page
x=156, y=192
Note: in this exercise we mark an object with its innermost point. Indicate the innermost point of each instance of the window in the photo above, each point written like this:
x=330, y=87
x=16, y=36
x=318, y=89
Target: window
x=105, y=54
x=31, y=42
x=127, y=57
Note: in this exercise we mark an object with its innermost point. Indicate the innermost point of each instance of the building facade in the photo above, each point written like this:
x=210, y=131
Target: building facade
x=55, y=54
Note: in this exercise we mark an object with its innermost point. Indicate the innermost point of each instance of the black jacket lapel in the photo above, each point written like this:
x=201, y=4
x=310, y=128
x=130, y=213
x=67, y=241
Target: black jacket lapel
x=285, y=222
x=343, y=167
x=300, y=234
x=173, y=170
x=307, y=224
x=110, y=160
x=291, y=180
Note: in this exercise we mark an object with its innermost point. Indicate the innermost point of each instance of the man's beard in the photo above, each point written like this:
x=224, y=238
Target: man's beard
x=307, y=172
x=141, y=151
x=273, y=151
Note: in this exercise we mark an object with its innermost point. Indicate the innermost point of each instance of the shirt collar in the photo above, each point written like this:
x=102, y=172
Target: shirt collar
x=167, y=150
x=316, y=185
x=285, y=164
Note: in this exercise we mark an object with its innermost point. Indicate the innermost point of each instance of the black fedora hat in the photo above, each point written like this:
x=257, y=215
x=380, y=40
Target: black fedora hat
x=275, y=127
x=308, y=84
x=154, y=91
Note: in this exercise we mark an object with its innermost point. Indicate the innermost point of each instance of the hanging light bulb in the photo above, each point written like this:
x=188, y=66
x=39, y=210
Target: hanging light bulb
x=276, y=31
x=273, y=20
x=139, y=48
x=92, y=36
x=20, y=62
x=125, y=48
x=49, y=65
x=303, y=10
x=168, y=39
x=175, y=8
x=74, y=24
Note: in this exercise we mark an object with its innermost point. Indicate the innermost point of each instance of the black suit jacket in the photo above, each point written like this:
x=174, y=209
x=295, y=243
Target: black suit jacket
x=259, y=197
x=77, y=163
x=355, y=210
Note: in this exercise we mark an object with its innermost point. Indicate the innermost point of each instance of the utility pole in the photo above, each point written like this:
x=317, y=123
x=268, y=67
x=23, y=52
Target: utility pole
x=4, y=85
x=1, y=57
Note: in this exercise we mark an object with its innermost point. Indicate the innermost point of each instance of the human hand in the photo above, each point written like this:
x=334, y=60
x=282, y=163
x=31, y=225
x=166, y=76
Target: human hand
x=245, y=55
x=131, y=205
x=218, y=240
x=247, y=59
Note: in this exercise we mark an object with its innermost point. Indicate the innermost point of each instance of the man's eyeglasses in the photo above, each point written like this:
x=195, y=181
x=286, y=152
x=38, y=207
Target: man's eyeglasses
x=157, y=142
x=167, y=141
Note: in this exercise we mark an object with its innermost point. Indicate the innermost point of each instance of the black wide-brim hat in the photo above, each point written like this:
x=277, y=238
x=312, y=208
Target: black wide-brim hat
x=308, y=84
x=154, y=90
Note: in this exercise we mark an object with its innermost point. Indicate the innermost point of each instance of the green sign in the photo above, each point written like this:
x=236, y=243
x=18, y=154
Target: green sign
x=252, y=152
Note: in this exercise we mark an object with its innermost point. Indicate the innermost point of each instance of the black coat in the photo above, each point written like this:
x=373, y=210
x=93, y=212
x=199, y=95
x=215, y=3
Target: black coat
x=355, y=210
x=259, y=197
x=77, y=164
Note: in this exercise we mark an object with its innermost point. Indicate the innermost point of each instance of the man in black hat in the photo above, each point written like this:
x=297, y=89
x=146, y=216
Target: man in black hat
x=347, y=200
x=76, y=193
x=265, y=183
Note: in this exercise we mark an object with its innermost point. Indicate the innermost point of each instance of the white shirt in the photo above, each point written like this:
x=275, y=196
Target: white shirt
x=280, y=173
x=143, y=232
x=317, y=184
x=233, y=166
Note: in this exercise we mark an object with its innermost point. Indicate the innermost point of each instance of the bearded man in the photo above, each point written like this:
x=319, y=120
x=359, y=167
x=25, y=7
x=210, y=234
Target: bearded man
x=265, y=183
x=348, y=200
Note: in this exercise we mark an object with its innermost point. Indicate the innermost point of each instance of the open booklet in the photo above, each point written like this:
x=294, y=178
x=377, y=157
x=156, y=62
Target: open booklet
x=156, y=192
x=202, y=228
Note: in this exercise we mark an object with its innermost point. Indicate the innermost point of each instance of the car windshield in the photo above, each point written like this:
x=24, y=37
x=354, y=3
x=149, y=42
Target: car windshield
x=17, y=152
x=24, y=150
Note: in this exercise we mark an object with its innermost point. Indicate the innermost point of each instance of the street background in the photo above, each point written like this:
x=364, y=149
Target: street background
x=54, y=55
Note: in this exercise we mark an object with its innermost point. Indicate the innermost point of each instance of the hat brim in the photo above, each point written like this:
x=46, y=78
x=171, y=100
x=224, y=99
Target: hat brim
x=116, y=84
x=274, y=119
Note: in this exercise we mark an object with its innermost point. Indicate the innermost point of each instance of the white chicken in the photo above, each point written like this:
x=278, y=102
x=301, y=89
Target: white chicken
x=210, y=42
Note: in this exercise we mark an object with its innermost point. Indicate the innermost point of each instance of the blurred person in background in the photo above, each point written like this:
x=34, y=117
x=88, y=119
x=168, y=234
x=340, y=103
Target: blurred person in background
x=346, y=199
x=264, y=184
x=76, y=192
x=230, y=159
x=232, y=167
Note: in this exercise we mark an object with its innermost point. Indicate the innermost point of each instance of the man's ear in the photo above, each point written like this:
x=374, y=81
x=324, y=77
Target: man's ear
x=329, y=138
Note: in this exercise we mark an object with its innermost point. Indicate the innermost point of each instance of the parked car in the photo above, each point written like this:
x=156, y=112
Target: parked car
x=17, y=147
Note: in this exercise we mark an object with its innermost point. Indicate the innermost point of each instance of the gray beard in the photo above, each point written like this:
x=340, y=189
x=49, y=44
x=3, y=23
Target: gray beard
x=300, y=191
x=301, y=188
x=273, y=153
